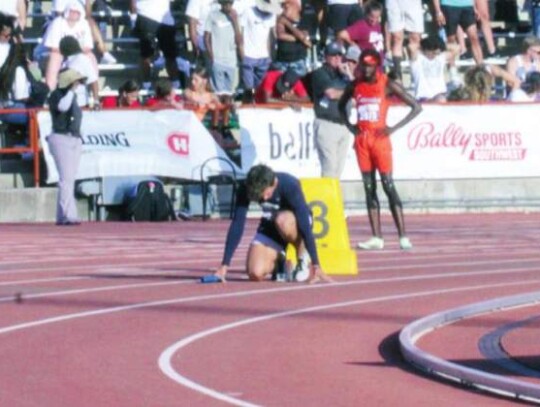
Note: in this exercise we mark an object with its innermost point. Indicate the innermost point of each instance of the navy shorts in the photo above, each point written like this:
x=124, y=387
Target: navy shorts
x=458, y=16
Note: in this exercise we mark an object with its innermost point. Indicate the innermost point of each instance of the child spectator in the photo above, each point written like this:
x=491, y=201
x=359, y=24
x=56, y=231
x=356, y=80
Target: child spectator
x=199, y=97
x=428, y=68
x=224, y=42
x=164, y=96
x=75, y=59
x=128, y=96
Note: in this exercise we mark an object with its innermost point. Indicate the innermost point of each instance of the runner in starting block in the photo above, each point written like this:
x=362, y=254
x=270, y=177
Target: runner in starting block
x=286, y=219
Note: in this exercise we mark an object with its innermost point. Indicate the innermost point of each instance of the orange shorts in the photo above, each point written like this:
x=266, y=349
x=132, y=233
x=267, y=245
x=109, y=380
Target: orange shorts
x=373, y=152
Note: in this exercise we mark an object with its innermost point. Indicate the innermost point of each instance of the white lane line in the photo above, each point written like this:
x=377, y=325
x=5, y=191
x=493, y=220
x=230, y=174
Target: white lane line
x=165, y=359
x=356, y=282
x=95, y=289
x=41, y=280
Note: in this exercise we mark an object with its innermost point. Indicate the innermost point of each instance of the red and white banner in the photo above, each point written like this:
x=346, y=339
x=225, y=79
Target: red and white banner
x=166, y=143
x=443, y=142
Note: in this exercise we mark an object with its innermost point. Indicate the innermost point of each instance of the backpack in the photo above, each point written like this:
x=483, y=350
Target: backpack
x=148, y=202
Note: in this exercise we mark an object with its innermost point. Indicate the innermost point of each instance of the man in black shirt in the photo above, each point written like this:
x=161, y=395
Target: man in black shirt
x=286, y=219
x=332, y=137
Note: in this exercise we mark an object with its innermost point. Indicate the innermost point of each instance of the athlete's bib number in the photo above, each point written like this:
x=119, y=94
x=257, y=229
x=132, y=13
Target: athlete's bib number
x=368, y=113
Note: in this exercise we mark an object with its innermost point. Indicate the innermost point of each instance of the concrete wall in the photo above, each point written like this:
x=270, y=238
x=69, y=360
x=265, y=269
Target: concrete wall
x=38, y=204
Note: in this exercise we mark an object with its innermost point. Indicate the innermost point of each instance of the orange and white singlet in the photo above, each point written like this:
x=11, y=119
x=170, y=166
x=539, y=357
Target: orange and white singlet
x=373, y=149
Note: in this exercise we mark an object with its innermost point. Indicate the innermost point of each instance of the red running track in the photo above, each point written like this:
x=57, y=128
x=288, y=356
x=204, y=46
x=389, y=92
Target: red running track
x=111, y=314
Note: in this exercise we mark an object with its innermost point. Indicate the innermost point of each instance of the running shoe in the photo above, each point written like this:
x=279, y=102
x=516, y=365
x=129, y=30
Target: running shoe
x=374, y=243
x=405, y=243
x=108, y=59
x=302, y=270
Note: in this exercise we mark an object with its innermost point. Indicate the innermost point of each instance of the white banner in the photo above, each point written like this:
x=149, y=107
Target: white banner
x=166, y=143
x=443, y=142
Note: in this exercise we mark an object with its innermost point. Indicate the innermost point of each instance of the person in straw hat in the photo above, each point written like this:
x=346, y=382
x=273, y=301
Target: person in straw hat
x=65, y=142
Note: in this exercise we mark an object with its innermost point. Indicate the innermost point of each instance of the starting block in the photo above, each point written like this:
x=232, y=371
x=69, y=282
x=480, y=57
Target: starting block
x=325, y=200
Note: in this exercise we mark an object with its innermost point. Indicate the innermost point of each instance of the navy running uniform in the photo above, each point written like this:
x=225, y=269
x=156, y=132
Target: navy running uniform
x=287, y=196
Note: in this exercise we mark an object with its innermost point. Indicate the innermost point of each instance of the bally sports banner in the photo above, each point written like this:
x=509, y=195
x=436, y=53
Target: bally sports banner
x=443, y=142
x=166, y=143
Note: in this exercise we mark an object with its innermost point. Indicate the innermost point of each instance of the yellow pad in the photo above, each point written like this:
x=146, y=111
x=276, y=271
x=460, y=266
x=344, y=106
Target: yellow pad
x=324, y=198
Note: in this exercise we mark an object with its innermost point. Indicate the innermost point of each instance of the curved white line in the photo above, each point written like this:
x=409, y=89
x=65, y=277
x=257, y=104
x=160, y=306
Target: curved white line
x=165, y=359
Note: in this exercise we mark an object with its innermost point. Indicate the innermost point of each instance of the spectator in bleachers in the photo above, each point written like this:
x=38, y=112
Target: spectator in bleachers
x=128, y=96
x=429, y=62
x=203, y=101
x=155, y=22
x=351, y=58
x=478, y=83
x=282, y=88
x=224, y=43
x=534, y=10
x=527, y=61
x=453, y=13
x=293, y=39
x=6, y=37
x=484, y=18
x=17, y=10
x=65, y=143
x=105, y=57
x=75, y=59
x=258, y=23
x=165, y=96
x=197, y=11
x=341, y=14
x=72, y=23
x=403, y=16
x=529, y=91
x=200, y=98
x=366, y=33
x=332, y=137
x=15, y=85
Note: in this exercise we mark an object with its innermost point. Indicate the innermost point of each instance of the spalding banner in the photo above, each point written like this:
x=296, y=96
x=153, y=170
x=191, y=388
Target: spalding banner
x=166, y=143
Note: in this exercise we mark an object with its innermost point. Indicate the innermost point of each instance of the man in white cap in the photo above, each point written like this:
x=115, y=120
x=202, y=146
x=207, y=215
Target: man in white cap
x=65, y=142
x=257, y=24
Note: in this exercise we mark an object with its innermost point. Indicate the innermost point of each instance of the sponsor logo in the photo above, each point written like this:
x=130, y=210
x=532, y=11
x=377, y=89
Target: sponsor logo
x=292, y=145
x=108, y=140
x=476, y=146
x=178, y=143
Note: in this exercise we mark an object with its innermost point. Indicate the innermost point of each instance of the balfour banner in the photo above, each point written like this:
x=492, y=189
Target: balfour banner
x=166, y=143
x=443, y=142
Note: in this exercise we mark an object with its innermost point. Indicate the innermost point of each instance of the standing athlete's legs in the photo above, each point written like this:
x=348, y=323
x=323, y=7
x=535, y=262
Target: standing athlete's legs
x=396, y=208
x=376, y=242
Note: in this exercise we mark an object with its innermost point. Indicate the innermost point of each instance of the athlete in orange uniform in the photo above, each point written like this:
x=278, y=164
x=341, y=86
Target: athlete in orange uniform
x=370, y=93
